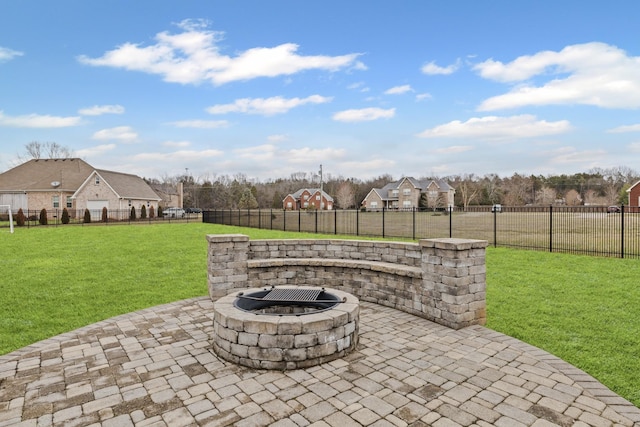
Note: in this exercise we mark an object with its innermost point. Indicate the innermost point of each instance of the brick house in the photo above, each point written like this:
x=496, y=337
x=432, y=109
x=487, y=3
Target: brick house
x=634, y=195
x=72, y=183
x=308, y=198
x=408, y=192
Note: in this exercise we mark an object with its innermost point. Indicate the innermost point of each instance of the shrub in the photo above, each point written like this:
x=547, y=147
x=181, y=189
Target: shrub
x=152, y=212
x=105, y=218
x=20, y=218
x=159, y=211
x=143, y=212
x=43, y=217
x=65, y=216
x=87, y=216
x=132, y=216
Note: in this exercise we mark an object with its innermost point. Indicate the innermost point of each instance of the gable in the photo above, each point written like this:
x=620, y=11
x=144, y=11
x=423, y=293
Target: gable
x=39, y=174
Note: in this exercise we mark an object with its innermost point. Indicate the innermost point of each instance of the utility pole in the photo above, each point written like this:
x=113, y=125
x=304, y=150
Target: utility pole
x=321, y=192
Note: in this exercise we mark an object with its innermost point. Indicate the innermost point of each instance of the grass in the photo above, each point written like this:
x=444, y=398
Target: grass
x=55, y=279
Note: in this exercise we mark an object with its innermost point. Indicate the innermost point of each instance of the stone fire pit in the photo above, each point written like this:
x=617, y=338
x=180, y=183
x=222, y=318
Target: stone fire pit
x=267, y=329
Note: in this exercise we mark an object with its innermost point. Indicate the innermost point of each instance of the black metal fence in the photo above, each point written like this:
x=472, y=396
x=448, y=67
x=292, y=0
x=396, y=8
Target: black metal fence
x=54, y=217
x=593, y=230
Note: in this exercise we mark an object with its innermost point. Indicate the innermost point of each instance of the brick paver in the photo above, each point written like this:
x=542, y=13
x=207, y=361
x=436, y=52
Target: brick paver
x=156, y=368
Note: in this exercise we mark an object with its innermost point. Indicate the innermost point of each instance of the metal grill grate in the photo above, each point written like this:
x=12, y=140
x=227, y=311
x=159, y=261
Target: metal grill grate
x=292, y=295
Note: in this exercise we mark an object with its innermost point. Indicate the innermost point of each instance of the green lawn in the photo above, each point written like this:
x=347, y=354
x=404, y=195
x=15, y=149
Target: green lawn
x=55, y=279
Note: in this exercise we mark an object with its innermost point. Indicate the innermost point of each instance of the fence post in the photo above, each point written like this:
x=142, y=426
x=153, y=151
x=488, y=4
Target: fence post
x=550, y=228
x=383, y=209
x=335, y=220
x=622, y=231
x=284, y=220
x=414, y=224
x=357, y=222
x=450, y=222
x=495, y=228
x=299, y=220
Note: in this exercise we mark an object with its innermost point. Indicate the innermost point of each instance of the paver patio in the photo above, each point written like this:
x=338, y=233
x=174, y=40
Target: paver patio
x=155, y=367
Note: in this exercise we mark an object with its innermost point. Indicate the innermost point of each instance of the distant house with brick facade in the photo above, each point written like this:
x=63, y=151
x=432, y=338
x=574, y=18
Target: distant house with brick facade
x=308, y=198
x=72, y=183
x=410, y=193
x=634, y=195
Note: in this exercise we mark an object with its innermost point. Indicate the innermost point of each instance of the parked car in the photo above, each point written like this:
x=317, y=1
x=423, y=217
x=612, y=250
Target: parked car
x=193, y=210
x=496, y=208
x=613, y=209
x=173, y=213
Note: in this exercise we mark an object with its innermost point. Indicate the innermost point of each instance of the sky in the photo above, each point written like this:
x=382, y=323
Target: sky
x=268, y=89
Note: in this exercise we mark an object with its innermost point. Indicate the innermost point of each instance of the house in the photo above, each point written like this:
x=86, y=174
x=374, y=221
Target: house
x=72, y=183
x=634, y=195
x=410, y=193
x=308, y=198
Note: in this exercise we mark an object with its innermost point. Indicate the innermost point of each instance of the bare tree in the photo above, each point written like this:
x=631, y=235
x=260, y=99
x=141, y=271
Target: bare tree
x=49, y=150
x=468, y=189
x=345, y=195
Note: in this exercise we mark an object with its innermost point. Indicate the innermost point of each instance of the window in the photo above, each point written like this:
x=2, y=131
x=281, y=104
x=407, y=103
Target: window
x=56, y=201
x=289, y=205
x=406, y=191
x=318, y=197
x=97, y=181
x=306, y=197
x=69, y=202
x=306, y=204
x=374, y=205
x=395, y=193
x=406, y=204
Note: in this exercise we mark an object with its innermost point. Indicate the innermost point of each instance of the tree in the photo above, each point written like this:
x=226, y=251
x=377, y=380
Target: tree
x=43, y=217
x=152, y=213
x=345, y=195
x=87, y=216
x=468, y=189
x=132, y=215
x=20, y=218
x=65, y=216
x=247, y=200
x=143, y=212
x=105, y=216
x=50, y=150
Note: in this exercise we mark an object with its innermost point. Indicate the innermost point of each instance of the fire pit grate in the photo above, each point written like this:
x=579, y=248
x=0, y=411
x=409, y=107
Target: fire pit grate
x=297, y=300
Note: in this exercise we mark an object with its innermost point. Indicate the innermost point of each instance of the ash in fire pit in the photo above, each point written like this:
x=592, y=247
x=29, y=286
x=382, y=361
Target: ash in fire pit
x=287, y=327
x=287, y=301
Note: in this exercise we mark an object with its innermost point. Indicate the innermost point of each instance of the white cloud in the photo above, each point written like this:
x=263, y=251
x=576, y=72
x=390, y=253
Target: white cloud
x=635, y=147
x=398, y=90
x=178, y=156
x=498, y=128
x=624, y=129
x=265, y=152
x=595, y=74
x=98, y=110
x=200, y=124
x=571, y=155
x=266, y=106
x=96, y=151
x=423, y=96
x=7, y=54
x=364, y=114
x=120, y=133
x=307, y=155
x=277, y=138
x=432, y=69
x=454, y=149
x=359, y=86
x=193, y=57
x=177, y=144
x=38, y=121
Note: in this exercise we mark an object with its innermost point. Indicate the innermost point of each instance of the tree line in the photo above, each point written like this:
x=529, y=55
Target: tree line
x=596, y=187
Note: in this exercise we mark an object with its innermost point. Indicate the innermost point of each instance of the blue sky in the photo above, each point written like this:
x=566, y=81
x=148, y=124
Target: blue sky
x=270, y=88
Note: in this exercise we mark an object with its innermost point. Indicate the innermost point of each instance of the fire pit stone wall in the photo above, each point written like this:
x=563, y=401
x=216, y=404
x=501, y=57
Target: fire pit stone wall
x=443, y=280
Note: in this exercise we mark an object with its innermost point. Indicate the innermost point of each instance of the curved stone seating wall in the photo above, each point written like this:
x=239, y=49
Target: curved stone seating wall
x=442, y=280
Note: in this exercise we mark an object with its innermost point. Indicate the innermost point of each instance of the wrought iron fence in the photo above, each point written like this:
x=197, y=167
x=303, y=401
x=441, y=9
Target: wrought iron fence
x=55, y=217
x=594, y=230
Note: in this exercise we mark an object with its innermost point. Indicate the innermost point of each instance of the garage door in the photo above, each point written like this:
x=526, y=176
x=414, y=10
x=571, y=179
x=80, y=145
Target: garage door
x=95, y=207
